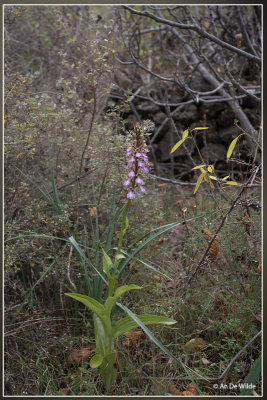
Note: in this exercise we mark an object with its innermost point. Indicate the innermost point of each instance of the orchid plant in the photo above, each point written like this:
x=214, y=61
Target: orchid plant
x=106, y=332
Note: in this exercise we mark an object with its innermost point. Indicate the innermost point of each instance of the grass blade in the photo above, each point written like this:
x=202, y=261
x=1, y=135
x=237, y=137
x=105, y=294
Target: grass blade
x=251, y=378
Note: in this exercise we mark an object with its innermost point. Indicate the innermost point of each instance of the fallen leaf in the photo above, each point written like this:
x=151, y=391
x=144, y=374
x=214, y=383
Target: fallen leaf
x=190, y=390
x=156, y=278
x=132, y=337
x=173, y=390
x=78, y=356
x=133, y=268
x=259, y=269
x=194, y=345
x=205, y=361
x=162, y=185
x=161, y=241
x=93, y=212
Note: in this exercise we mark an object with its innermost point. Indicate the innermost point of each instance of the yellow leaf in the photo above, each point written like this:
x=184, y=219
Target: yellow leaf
x=213, y=177
x=185, y=134
x=199, y=166
x=175, y=147
x=199, y=182
x=226, y=177
x=231, y=147
x=207, y=179
x=200, y=128
x=211, y=168
x=231, y=183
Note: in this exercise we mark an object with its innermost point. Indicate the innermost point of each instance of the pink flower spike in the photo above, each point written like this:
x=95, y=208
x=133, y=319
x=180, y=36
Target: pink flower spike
x=130, y=195
x=138, y=155
x=126, y=183
x=132, y=159
x=144, y=169
x=145, y=157
x=131, y=174
x=139, y=180
x=143, y=190
x=128, y=151
x=141, y=164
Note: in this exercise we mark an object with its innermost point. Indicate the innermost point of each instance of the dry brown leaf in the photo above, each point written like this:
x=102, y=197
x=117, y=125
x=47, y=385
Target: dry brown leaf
x=205, y=361
x=173, y=390
x=156, y=278
x=78, y=356
x=195, y=345
x=259, y=269
x=162, y=185
x=93, y=212
x=190, y=390
x=214, y=248
x=132, y=337
x=133, y=268
x=161, y=241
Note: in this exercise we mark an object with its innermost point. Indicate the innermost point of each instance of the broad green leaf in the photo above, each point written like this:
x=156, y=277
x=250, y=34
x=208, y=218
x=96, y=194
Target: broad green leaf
x=127, y=324
x=251, y=378
x=103, y=337
x=125, y=288
x=96, y=360
x=231, y=147
x=89, y=302
x=108, y=372
x=107, y=262
x=119, y=292
x=200, y=128
x=200, y=166
x=201, y=176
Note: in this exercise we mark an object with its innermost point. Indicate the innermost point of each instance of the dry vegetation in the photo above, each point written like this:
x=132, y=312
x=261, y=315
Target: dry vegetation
x=77, y=80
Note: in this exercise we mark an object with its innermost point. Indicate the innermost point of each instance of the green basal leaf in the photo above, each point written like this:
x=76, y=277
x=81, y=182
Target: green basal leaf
x=127, y=324
x=96, y=360
x=108, y=372
x=89, y=302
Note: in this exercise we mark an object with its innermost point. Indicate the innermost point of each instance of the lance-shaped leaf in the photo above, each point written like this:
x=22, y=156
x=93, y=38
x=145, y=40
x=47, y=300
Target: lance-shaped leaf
x=200, y=166
x=90, y=303
x=201, y=176
x=231, y=147
x=119, y=292
x=127, y=324
x=233, y=183
x=200, y=128
x=178, y=144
